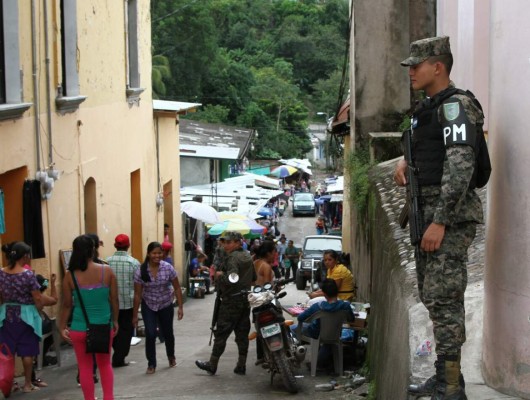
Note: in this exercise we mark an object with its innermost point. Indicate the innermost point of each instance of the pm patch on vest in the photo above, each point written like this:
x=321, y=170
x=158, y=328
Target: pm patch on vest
x=456, y=127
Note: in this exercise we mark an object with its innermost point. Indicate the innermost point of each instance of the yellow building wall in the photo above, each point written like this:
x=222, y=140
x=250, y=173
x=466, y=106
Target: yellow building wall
x=167, y=128
x=105, y=139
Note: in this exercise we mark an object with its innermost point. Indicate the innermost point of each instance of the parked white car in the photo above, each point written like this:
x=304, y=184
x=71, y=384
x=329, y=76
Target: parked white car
x=303, y=203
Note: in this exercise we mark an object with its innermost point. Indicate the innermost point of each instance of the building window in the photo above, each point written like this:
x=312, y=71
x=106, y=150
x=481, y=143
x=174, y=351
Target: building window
x=11, y=104
x=68, y=97
x=133, y=57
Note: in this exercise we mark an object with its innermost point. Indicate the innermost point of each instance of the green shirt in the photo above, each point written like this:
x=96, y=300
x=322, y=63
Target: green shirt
x=97, y=305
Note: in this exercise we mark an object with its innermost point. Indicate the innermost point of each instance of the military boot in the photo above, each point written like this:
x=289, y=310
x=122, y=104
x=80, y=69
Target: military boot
x=447, y=382
x=208, y=366
x=427, y=388
x=241, y=368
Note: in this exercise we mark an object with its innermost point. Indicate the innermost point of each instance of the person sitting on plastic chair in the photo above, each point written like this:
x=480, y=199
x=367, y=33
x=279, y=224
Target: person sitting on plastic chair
x=198, y=270
x=331, y=304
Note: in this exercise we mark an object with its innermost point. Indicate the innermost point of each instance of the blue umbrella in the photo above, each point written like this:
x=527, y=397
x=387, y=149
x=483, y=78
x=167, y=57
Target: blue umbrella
x=265, y=212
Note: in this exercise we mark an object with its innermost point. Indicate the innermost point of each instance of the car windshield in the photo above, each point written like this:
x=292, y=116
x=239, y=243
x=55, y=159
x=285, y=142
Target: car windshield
x=321, y=244
x=303, y=197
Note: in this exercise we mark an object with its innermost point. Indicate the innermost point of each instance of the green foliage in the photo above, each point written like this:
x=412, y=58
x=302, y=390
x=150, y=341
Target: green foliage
x=405, y=123
x=211, y=114
x=372, y=391
x=358, y=166
x=325, y=91
x=259, y=64
x=160, y=73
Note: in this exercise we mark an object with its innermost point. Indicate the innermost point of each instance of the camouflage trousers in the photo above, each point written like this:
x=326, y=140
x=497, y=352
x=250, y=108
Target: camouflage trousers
x=233, y=316
x=442, y=281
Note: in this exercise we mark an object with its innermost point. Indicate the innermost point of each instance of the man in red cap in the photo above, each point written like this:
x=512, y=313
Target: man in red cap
x=166, y=249
x=123, y=266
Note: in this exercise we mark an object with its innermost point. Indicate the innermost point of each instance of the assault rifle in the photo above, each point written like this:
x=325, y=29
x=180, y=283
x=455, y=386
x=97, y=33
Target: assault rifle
x=215, y=315
x=411, y=212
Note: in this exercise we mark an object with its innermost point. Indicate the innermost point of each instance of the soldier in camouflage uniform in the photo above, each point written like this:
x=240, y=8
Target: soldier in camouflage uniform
x=234, y=312
x=444, y=127
x=218, y=259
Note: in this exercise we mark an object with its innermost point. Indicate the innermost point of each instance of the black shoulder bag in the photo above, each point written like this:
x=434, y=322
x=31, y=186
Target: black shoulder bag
x=97, y=335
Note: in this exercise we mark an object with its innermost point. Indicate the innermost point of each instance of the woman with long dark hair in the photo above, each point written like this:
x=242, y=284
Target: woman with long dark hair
x=155, y=285
x=340, y=274
x=99, y=292
x=20, y=296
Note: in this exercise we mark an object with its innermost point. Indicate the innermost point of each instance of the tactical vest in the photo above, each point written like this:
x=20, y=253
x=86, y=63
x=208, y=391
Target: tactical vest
x=429, y=150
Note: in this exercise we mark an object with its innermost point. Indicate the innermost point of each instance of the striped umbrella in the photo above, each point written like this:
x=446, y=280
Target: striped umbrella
x=283, y=171
x=247, y=227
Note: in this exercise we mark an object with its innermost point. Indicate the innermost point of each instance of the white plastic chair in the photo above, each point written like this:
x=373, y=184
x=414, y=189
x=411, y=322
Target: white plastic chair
x=56, y=345
x=330, y=332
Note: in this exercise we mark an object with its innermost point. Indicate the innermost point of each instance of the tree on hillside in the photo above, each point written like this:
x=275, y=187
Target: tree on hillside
x=258, y=64
x=160, y=73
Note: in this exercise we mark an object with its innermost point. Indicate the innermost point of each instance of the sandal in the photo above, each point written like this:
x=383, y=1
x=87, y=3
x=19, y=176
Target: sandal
x=39, y=383
x=150, y=370
x=172, y=362
x=30, y=389
x=15, y=387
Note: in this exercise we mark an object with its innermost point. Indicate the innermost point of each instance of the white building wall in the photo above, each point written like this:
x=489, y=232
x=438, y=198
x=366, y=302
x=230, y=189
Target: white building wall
x=467, y=23
x=506, y=350
x=194, y=171
x=489, y=40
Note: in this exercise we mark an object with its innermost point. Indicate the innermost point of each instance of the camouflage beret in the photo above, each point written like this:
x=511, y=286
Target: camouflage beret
x=235, y=236
x=420, y=50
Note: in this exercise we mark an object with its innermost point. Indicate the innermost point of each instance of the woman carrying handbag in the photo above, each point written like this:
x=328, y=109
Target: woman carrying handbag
x=92, y=290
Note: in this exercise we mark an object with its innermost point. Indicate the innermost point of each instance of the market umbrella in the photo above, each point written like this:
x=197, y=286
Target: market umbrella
x=283, y=171
x=245, y=227
x=226, y=215
x=265, y=212
x=201, y=212
x=303, y=165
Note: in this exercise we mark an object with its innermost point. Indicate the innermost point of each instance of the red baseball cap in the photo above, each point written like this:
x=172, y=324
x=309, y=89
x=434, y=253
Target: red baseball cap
x=122, y=240
x=167, y=246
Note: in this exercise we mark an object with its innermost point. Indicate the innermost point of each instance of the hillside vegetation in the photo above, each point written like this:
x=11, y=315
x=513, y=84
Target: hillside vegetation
x=270, y=65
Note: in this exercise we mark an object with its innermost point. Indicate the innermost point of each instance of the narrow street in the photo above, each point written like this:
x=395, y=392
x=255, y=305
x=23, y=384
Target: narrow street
x=186, y=381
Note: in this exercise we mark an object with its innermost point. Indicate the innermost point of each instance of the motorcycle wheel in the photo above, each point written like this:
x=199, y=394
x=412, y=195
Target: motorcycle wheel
x=286, y=371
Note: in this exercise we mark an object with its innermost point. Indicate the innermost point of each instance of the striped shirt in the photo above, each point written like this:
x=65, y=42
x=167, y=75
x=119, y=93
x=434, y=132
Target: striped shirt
x=124, y=267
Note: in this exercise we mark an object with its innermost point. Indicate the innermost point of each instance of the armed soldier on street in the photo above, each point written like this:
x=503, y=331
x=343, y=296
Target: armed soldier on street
x=445, y=138
x=233, y=311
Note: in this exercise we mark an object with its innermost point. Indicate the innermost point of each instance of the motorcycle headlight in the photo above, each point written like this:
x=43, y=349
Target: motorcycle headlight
x=306, y=263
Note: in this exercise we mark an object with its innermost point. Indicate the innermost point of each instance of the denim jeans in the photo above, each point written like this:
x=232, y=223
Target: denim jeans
x=164, y=319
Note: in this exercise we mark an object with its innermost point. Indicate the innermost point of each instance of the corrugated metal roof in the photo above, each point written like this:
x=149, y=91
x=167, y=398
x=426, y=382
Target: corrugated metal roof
x=336, y=198
x=176, y=106
x=338, y=186
x=341, y=122
x=243, y=190
x=214, y=136
x=225, y=153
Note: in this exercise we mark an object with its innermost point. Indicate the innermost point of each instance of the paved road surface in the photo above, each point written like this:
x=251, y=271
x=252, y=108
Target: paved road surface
x=186, y=381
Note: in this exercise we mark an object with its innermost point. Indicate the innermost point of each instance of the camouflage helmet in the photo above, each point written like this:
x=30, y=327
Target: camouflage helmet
x=234, y=236
x=420, y=50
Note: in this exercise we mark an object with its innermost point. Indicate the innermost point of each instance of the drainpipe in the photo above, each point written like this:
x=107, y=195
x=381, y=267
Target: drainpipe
x=35, y=81
x=158, y=156
x=48, y=102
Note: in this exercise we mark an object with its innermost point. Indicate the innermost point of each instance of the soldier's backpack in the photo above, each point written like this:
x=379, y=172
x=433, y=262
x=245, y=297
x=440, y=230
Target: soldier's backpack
x=482, y=172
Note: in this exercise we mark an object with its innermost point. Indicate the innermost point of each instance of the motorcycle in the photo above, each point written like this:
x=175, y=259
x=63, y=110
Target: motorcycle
x=281, y=353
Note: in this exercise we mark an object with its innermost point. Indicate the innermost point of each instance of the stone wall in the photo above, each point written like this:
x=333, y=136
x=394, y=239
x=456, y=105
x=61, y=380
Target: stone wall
x=386, y=277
